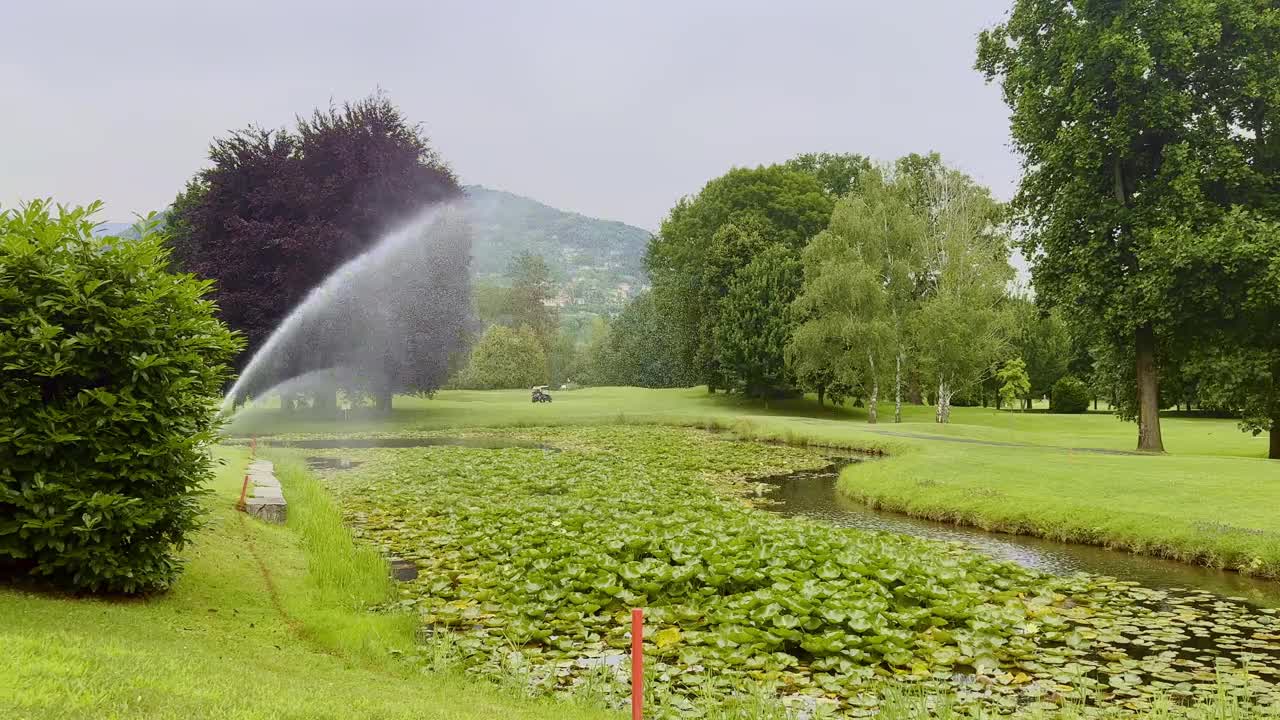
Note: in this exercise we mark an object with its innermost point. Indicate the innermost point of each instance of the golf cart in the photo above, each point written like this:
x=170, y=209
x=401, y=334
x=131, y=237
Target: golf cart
x=540, y=394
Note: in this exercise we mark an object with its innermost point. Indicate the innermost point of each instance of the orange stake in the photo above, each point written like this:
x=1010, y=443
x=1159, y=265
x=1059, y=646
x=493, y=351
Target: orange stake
x=244, y=490
x=637, y=664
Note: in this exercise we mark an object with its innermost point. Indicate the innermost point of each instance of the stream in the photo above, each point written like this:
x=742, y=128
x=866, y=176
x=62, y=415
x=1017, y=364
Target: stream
x=813, y=494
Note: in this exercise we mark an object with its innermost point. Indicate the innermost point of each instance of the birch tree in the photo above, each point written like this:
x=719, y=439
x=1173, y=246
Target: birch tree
x=858, y=289
x=961, y=327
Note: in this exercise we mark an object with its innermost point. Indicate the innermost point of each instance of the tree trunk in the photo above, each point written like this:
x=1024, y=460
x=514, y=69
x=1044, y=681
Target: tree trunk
x=897, y=392
x=286, y=402
x=944, y=401
x=822, y=391
x=1148, y=391
x=873, y=406
x=943, y=413
x=382, y=402
x=1095, y=403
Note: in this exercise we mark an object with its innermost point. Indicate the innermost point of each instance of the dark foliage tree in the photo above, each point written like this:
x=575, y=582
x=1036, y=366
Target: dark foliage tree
x=756, y=323
x=637, y=349
x=1234, y=269
x=278, y=211
x=694, y=255
x=1041, y=341
x=1070, y=395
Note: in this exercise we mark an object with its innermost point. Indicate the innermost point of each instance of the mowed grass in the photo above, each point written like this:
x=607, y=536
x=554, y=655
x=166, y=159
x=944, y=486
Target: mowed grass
x=265, y=623
x=1210, y=501
x=497, y=408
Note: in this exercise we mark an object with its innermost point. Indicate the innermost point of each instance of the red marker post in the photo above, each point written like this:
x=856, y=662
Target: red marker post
x=637, y=664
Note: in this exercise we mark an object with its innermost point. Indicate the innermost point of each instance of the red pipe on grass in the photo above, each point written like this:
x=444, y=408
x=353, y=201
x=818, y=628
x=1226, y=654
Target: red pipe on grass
x=637, y=664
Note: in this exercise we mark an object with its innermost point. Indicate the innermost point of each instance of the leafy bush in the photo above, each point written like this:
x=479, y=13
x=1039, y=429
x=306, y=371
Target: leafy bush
x=1070, y=395
x=111, y=369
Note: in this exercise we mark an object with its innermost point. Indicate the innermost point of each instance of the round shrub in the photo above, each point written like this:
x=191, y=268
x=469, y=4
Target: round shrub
x=111, y=370
x=1070, y=395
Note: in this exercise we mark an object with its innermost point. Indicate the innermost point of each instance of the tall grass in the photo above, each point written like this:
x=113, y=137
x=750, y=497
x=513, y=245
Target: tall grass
x=344, y=579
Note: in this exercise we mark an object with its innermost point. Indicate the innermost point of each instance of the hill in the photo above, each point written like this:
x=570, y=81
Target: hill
x=597, y=263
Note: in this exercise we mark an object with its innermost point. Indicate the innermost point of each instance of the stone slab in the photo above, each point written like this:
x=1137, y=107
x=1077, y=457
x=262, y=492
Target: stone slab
x=264, y=480
x=263, y=466
x=272, y=510
x=260, y=491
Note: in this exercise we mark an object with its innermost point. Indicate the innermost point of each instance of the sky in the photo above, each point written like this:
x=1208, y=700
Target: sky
x=610, y=109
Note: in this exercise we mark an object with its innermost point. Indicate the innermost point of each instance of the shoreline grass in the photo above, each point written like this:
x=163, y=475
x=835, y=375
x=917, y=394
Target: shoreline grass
x=221, y=644
x=1168, y=506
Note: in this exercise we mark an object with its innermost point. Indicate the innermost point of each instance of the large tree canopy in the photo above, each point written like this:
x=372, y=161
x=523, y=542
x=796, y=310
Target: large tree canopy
x=1131, y=117
x=279, y=211
x=711, y=236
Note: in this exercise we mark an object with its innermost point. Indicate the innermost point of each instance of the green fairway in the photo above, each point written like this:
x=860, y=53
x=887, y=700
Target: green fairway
x=496, y=408
x=1209, y=501
x=236, y=638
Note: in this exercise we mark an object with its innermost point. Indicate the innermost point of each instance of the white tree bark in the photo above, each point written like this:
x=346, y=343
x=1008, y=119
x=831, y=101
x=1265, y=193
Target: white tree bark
x=897, y=391
x=873, y=406
x=943, y=413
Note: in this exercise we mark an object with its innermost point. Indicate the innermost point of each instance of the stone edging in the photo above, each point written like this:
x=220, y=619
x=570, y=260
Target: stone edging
x=267, y=502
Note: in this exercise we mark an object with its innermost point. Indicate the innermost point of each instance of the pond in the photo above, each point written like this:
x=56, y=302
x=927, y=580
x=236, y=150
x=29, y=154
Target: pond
x=813, y=494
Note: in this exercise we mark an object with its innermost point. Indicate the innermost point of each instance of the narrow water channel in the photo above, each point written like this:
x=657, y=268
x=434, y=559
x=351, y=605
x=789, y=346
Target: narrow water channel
x=813, y=495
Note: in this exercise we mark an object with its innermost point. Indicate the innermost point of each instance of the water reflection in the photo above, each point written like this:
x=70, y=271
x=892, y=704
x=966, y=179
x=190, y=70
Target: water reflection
x=813, y=495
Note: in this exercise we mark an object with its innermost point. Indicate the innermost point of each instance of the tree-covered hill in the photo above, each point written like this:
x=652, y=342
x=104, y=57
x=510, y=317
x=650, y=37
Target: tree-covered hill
x=588, y=256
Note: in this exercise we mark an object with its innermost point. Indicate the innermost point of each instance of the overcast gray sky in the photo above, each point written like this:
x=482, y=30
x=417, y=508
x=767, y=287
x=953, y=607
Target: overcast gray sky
x=605, y=108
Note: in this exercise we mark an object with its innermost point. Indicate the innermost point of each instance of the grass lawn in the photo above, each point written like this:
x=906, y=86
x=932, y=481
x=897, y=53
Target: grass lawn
x=236, y=639
x=1211, y=500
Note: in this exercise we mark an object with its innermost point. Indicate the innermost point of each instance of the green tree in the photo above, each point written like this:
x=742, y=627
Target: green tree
x=859, y=291
x=527, y=300
x=635, y=349
x=756, y=322
x=1131, y=117
x=1042, y=342
x=1070, y=395
x=1234, y=271
x=838, y=173
x=961, y=327
x=505, y=358
x=1013, y=381
x=111, y=369
x=689, y=265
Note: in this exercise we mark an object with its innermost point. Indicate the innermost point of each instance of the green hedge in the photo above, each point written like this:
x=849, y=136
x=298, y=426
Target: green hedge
x=111, y=370
x=1070, y=395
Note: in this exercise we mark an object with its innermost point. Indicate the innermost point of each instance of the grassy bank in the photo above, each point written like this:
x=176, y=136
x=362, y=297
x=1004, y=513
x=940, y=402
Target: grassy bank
x=265, y=623
x=1208, y=502
x=503, y=408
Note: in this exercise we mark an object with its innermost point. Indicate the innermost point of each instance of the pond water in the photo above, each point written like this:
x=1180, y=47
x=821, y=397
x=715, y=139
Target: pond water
x=813, y=494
